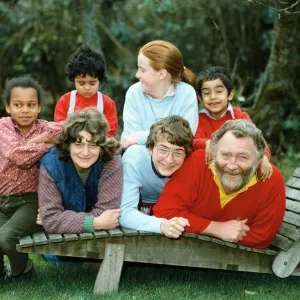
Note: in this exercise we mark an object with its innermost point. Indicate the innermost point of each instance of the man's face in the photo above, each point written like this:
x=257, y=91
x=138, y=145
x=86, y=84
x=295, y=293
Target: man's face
x=167, y=158
x=235, y=161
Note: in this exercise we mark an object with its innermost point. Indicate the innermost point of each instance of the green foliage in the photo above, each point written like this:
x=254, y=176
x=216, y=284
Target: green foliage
x=37, y=37
x=40, y=35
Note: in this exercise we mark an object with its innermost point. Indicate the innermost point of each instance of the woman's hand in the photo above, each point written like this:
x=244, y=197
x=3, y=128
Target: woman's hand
x=38, y=218
x=109, y=219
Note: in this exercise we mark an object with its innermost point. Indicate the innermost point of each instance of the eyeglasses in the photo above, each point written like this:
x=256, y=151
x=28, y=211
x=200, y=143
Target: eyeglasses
x=165, y=152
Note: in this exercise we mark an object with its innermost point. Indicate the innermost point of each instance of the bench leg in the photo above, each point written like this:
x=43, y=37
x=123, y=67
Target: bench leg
x=286, y=262
x=109, y=274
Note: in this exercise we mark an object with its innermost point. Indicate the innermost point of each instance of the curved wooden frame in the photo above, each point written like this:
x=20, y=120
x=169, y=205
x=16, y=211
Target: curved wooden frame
x=191, y=250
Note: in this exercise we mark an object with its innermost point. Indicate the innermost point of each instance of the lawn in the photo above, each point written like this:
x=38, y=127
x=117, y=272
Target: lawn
x=287, y=165
x=140, y=281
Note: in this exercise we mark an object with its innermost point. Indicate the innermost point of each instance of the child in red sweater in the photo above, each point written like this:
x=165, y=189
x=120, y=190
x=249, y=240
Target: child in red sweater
x=86, y=68
x=215, y=90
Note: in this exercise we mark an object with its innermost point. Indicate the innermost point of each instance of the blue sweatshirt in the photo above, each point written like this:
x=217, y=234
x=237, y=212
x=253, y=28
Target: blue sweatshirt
x=141, y=111
x=139, y=182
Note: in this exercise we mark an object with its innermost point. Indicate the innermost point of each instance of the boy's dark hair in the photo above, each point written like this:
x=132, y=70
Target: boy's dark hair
x=94, y=122
x=25, y=81
x=86, y=61
x=175, y=129
x=213, y=73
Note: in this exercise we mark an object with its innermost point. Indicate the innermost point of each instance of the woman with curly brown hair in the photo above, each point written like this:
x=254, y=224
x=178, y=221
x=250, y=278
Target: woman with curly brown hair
x=80, y=181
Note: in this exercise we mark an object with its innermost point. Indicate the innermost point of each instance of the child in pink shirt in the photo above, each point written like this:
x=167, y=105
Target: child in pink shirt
x=18, y=170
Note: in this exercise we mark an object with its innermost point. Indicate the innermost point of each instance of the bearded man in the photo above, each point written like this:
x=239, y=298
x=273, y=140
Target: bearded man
x=226, y=200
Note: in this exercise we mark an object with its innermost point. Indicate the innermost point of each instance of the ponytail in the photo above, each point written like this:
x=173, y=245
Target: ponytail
x=188, y=77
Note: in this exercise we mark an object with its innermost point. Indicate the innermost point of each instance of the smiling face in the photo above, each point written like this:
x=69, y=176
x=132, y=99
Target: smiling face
x=149, y=77
x=84, y=152
x=23, y=107
x=86, y=86
x=167, y=158
x=235, y=161
x=215, y=97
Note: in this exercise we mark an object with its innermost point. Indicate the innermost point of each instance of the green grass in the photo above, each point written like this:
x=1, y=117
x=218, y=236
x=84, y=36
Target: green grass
x=144, y=281
x=287, y=164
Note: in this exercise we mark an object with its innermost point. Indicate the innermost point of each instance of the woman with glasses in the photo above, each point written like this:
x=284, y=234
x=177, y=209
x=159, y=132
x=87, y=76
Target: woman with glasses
x=80, y=181
x=146, y=171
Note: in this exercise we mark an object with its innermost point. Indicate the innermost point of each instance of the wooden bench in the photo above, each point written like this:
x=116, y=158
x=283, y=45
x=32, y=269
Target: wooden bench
x=191, y=250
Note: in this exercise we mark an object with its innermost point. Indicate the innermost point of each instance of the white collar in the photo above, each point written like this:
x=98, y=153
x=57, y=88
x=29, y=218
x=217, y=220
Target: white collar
x=170, y=92
x=229, y=108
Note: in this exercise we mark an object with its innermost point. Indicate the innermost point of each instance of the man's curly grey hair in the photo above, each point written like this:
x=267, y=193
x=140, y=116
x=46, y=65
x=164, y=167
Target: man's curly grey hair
x=240, y=129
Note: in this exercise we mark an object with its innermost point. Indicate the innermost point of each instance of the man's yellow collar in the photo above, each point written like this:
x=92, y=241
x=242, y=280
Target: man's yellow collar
x=224, y=198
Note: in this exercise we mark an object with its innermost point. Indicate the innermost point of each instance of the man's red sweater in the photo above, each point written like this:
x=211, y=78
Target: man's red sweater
x=109, y=109
x=207, y=126
x=192, y=193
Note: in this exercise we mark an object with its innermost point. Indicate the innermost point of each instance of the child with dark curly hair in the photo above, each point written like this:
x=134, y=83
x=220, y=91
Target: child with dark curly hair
x=86, y=68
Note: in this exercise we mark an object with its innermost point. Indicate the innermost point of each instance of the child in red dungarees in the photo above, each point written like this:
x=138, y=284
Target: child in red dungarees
x=86, y=68
x=18, y=170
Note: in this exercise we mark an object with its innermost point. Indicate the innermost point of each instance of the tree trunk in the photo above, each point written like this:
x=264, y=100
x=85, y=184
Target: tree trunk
x=276, y=97
x=89, y=30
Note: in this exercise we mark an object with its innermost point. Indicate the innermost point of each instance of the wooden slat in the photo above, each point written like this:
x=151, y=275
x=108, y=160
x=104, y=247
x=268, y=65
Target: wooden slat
x=271, y=252
x=26, y=241
x=115, y=232
x=203, y=237
x=293, y=206
x=282, y=242
x=70, y=237
x=289, y=231
x=292, y=194
x=294, y=183
x=40, y=238
x=191, y=252
x=292, y=218
x=55, y=238
x=145, y=233
x=100, y=234
x=297, y=173
x=262, y=251
x=241, y=247
x=217, y=241
x=189, y=234
x=86, y=236
x=231, y=245
x=129, y=232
